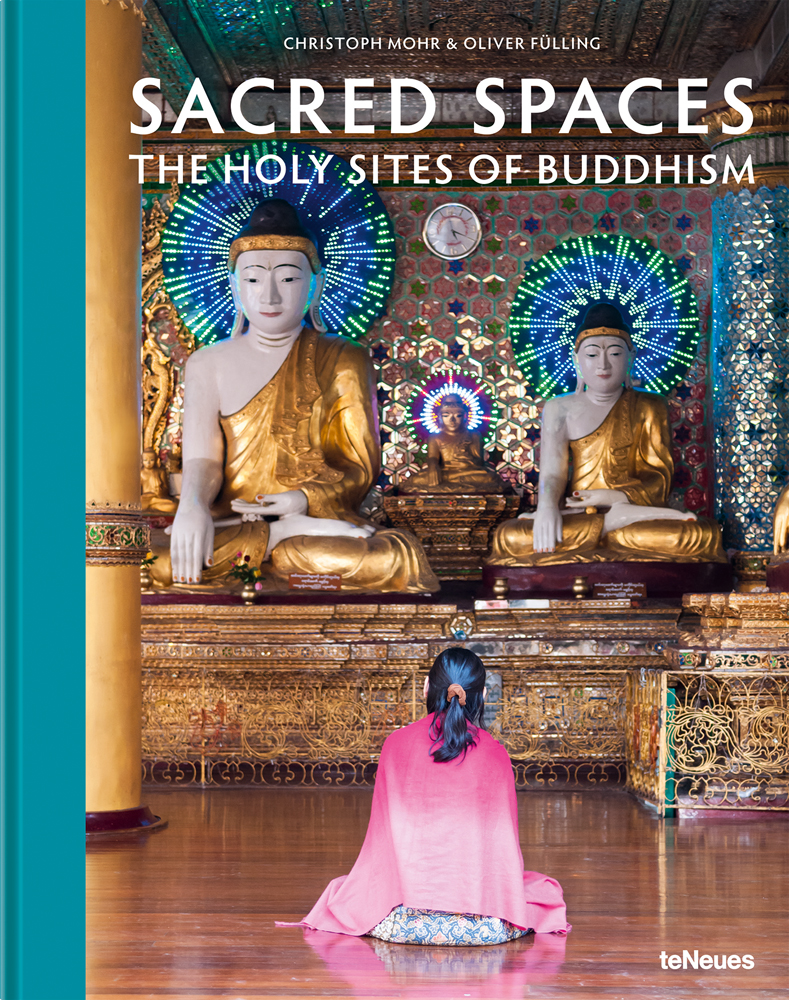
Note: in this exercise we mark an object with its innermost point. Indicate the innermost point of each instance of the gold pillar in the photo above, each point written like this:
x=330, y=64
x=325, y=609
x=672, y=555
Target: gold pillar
x=116, y=537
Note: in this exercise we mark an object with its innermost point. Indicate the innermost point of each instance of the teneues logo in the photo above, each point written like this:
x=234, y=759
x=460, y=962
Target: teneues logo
x=695, y=961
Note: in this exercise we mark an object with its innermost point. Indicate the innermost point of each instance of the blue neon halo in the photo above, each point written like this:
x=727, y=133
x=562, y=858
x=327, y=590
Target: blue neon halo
x=349, y=223
x=655, y=300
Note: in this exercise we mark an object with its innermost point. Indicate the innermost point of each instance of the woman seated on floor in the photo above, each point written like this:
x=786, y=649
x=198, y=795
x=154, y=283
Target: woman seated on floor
x=441, y=862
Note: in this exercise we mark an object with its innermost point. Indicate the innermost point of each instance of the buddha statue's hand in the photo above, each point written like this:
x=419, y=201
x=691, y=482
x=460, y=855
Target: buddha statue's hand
x=433, y=476
x=302, y=524
x=191, y=543
x=622, y=514
x=547, y=529
x=597, y=498
x=271, y=505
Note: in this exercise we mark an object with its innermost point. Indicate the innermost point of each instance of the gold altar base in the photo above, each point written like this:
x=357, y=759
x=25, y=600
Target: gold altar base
x=454, y=529
x=307, y=693
x=710, y=733
x=709, y=741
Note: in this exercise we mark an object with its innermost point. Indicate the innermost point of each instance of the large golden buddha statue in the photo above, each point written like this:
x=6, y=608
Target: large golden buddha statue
x=619, y=441
x=455, y=461
x=280, y=436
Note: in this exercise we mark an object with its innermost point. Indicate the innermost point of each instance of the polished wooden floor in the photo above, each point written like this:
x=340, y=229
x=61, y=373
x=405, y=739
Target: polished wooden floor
x=189, y=912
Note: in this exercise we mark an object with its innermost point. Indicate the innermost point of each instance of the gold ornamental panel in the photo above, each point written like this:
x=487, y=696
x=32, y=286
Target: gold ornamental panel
x=203, y=721
x=548, y=716
x=645, y=695
x=728, y=742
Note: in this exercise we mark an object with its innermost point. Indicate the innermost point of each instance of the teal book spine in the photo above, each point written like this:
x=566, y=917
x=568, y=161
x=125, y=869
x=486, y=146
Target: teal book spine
x=42, y=447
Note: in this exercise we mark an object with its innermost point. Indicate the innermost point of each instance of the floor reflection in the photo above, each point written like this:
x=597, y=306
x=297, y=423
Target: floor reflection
x=377, y=968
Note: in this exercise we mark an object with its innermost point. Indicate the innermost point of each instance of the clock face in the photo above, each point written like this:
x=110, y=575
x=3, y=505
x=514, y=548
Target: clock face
x=452, y=231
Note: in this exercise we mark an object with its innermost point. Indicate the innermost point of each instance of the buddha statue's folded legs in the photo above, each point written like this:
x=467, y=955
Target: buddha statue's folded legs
x=584, y=540
x=387, y=561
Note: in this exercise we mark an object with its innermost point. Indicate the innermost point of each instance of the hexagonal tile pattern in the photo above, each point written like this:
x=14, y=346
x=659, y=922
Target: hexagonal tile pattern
x=413, y=346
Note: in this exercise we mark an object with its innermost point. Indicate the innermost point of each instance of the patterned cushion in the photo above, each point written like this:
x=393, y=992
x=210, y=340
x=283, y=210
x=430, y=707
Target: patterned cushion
x=405, y=925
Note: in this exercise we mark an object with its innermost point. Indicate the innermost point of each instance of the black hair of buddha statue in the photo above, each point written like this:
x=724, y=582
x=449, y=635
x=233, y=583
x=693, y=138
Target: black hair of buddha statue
x=275, y=217
x=603, y=314
x=449, y=728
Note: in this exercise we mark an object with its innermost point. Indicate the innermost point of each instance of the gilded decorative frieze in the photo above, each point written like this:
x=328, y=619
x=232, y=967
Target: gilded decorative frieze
x=309, y=693
x=770, y=111
x=728, y=742
x=115, y=534
x=717, y=740
x=571, y=716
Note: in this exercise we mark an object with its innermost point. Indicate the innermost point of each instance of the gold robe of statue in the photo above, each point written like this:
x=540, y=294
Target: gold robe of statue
x=311, y=428
x=630, y=451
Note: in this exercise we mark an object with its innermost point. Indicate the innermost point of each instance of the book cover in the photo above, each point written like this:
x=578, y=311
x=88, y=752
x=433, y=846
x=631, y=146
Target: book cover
x=506, y=160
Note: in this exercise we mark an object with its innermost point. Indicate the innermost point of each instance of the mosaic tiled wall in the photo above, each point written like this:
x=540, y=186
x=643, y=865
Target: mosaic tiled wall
x=453, y=315
x=446, y=315
x=751, y=361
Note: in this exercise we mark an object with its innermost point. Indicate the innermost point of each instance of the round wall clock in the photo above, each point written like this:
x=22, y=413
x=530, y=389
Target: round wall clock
x=452, y=231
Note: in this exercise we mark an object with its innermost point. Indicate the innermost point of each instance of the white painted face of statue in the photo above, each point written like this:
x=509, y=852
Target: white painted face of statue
x=272, y=287
x=603, y=363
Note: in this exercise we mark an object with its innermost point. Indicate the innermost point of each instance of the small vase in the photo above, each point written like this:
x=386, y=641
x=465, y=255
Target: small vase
x=146, y=580
x=581, y=587
x=249, y=594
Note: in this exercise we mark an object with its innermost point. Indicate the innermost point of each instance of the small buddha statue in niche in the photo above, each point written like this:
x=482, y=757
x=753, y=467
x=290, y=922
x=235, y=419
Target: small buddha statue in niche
x=280, y=436
x=620, y=443
x=154, y=485
x=174, y=474
x=455, y=462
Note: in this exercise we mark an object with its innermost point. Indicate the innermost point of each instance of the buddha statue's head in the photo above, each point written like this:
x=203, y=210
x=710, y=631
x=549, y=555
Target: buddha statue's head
x=604, y=349
x=148, y=459
x=275, y=273
x=453, y=414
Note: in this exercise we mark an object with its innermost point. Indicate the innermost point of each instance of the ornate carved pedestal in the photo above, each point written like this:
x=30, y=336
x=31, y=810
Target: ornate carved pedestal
x=710, y=732
x=454, y=529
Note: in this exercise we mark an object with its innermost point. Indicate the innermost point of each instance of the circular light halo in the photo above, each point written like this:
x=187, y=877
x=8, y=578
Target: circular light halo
x=655, y=300
x=349, y=222
x=426, y=404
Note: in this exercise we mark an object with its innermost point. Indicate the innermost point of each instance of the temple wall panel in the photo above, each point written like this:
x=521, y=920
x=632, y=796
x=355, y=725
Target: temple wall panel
x=751, y=361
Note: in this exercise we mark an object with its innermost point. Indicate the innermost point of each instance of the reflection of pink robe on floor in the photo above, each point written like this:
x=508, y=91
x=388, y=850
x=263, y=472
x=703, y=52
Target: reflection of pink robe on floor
x=441, y=837
x=378, y=969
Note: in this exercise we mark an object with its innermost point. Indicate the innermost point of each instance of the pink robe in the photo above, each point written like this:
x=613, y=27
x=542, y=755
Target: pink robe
x=441, y=837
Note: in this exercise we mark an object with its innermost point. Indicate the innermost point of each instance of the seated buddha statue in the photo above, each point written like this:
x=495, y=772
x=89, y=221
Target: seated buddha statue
x=455, y=463
x=154, y=485
x=619, y=441
x=280, y=436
